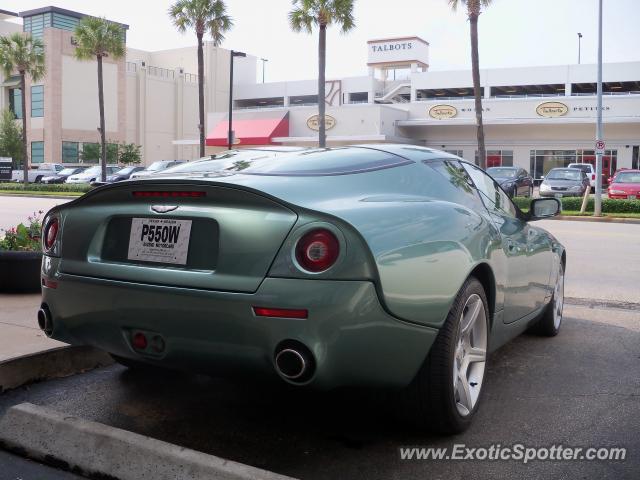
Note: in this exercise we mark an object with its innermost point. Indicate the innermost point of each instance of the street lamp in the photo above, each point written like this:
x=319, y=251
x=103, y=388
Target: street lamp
x=264, y=60
x=579, y=39
x=230, y=133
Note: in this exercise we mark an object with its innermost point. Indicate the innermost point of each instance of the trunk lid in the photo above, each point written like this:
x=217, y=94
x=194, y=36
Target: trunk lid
x=225, y=238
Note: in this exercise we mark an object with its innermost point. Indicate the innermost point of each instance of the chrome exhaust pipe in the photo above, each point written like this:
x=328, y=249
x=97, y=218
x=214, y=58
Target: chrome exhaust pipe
x=294, y=363
x=45, y=322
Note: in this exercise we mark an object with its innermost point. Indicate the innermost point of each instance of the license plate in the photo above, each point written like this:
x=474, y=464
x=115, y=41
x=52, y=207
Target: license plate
x=160, y=240
x=631, y=197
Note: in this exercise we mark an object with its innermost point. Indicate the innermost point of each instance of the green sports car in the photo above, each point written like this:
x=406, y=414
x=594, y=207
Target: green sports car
x=376, y=265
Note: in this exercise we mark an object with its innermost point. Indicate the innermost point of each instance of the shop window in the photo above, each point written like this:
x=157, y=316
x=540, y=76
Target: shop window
x=37, y=101
x=457, y=153
x=15, y=102
x=498, y=158
x=37, y=152
x=70, y=152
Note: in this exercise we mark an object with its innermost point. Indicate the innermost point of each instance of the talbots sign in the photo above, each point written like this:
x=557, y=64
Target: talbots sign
x=552, y=109
x=442, y=112
x=314, y=124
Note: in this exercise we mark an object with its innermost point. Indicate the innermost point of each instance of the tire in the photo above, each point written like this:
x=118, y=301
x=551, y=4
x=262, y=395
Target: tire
x=38, y=179
x=551, y=320
x=432, y=401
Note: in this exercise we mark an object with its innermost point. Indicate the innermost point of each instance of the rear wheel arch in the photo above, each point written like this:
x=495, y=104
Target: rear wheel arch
x=484, y=274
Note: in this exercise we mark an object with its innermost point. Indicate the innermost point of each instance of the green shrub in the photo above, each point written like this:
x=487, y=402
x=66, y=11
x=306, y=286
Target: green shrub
x=575, y=203
x=44, y=187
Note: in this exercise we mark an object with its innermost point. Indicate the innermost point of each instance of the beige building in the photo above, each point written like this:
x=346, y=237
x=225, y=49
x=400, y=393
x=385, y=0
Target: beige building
x=151, y=98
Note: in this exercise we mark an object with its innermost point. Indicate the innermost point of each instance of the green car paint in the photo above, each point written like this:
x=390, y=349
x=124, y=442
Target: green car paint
x=410, y=234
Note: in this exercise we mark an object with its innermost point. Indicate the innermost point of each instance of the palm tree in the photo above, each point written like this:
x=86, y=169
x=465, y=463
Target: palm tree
x=321, y=13
x=24, y=54
x=98, y=38
x=204, y=16
x=473, y=12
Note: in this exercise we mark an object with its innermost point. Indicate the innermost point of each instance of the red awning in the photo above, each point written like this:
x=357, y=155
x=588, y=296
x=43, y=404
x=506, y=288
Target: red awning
x=255, y=128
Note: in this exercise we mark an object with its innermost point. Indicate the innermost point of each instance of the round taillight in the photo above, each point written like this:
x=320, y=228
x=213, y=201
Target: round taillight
x=50, y=233
x=139, y=341
x=317, y=250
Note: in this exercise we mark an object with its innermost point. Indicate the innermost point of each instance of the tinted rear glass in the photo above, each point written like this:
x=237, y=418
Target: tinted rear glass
x=584, y=168
x=567, y=174
x=337, y=161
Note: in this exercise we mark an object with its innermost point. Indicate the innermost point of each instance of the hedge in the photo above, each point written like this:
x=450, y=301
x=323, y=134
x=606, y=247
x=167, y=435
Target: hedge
x=45, y=187
x=575, y=203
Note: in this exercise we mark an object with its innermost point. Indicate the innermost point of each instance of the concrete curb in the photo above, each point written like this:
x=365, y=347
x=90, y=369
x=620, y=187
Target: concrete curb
x=54, y=363
x=99, y=451
x=597, y=219
x=28, y=195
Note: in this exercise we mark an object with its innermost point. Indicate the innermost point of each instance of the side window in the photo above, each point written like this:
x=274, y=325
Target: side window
x=455, y=173
x=492, y=195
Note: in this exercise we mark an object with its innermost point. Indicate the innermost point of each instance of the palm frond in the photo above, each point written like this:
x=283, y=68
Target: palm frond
x=309, y=13
x=98, y=37
x=204, y=16
x=22, y=53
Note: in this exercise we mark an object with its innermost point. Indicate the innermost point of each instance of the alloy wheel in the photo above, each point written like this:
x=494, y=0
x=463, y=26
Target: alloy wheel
x=470, y=355
x=558, y=298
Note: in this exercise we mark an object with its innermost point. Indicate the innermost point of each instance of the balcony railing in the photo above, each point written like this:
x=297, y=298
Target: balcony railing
x=161, y=72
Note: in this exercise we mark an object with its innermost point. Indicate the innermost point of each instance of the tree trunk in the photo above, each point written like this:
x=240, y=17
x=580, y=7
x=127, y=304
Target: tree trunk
x=25, y=145
x=201, y=92
x=475, y=66
x=103, y=142
x=322, y=58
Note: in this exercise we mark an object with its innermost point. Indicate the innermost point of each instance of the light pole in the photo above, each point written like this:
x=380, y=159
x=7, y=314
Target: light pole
x=599, y=151
x=233, y=54
x=579, y=39
x=264, y=60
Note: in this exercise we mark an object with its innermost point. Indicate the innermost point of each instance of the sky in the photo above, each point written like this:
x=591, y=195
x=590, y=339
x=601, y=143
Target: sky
x=513, y=33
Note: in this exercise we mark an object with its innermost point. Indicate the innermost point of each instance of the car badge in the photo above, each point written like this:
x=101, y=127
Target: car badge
x=163, y=208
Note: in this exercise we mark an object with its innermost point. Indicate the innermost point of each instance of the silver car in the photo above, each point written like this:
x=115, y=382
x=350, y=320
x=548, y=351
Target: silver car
x=155, y=167
x=564, y=182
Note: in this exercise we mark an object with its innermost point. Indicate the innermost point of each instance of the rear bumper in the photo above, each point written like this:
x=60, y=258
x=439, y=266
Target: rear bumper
x=352, y=338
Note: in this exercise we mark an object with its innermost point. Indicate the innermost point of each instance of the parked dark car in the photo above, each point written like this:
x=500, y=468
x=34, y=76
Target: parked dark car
x=123, y=174
x=63, y=174
x=515, y=181
x=564, y=182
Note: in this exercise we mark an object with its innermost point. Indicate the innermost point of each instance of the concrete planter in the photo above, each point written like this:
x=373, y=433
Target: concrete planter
x=20, y=271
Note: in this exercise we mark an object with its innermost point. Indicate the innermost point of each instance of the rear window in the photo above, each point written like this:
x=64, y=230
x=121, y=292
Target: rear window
x=627, y=177
x=337, y=161
x=584, y=168
x=568, y=174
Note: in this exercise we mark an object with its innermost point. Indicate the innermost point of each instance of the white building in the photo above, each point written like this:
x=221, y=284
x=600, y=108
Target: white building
x=536, y=117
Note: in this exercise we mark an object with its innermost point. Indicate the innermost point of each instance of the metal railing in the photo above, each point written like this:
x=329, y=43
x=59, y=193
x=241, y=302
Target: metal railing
x=580, y=94
x=253, y=107
x=530, y=95
x=161, y=72
x=437, y=99
x=132, y=67
x=191, y=78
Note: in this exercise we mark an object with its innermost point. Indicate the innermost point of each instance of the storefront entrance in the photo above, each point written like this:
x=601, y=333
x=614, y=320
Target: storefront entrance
x=541, y=161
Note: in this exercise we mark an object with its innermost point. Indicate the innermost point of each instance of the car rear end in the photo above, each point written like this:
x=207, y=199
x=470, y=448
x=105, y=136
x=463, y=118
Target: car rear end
x=216, y=277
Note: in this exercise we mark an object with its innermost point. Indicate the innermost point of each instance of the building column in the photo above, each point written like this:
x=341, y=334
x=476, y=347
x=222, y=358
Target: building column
x=142, y=110
x=567, y=89
x=179, y=113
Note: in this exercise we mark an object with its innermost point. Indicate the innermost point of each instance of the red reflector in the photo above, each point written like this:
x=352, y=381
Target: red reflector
x=169, y=194
x=49, y=283
x=593, y=177
x=280, y=312
x=139, y=341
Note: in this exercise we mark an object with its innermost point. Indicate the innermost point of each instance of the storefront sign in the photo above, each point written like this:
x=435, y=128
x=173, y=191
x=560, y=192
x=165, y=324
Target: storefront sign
x=314, y=124
x=552, y=109
x=5, y=168
x=442, y=112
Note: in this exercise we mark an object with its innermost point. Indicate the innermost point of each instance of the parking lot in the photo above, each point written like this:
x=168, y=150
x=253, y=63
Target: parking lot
x=579, y=389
